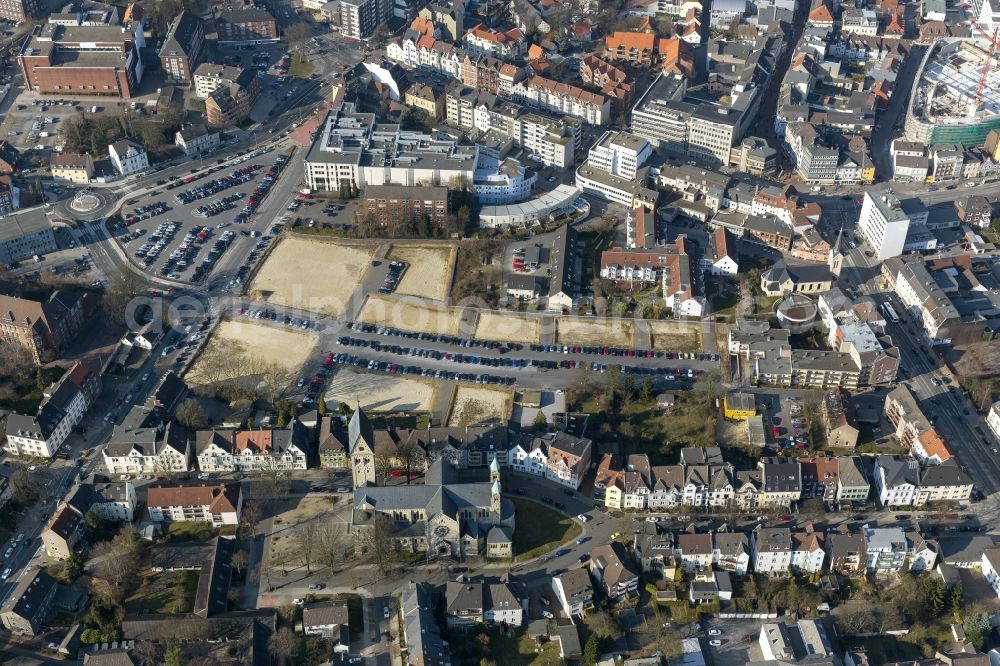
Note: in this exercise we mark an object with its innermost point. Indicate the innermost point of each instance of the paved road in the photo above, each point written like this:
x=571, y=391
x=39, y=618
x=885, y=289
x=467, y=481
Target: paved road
x=894, y=114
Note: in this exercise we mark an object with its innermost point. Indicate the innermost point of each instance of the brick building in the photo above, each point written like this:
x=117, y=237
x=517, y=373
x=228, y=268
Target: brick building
x=43, y=328
x=246, y=26
x=182, y=48
x=232, y=102
x=386, y=201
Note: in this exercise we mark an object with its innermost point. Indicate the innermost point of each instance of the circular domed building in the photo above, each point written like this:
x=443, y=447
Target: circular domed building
x=796, y=312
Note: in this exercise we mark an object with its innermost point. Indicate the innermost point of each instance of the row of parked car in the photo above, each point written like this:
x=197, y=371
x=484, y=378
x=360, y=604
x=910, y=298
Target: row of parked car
x=433, y=337
x=257, y=196
x=273, y=315
x=219, y=206
x=158, y=240
x=400, y=369
x=238, y=177
x=619, y=351
x=393, y=277
x=145, y=212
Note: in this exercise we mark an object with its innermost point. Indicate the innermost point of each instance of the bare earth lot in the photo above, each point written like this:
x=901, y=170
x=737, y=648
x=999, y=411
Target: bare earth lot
x=676, y=336
x=380, y=393
x=259, y=343
x=507, y=328
x=411, y=315
x=312, y=275
x=428, y=271
x=609, y=332
x=473, y=404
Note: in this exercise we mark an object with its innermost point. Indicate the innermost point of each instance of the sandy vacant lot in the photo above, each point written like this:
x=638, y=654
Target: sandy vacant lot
x=428, y=273
x=473, y=404
x=609, y=332
x=380, y=393
x=312, y=275
x=410, y=314
x=507, y=328
x=238, y=349
x=676, y=336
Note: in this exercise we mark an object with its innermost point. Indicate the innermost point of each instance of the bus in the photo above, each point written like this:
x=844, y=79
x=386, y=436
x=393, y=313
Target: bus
x=890, y=313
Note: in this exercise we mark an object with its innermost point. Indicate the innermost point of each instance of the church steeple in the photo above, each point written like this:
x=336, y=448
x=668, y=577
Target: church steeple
x=494, y=470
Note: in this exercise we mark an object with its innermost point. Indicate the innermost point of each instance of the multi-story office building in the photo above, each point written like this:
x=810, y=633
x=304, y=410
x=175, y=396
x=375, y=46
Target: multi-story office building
x=662, y=116
x=84, y=59
x=388, y=202
x=19, y=10
x=619, y=153
x=883, y=223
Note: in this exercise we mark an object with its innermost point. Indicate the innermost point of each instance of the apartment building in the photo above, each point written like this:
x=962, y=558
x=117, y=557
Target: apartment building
x=249, y=26
x=63, y=406
x=389, y=203
x=883, y=223
x=183, y=47
x=694, y=552
x=556, y=456
x=928, y=295
x=146, y=443
x=112, y=502
x=946, y=482
x=231, y=103
x=993, y=419
x=42, y=329
x=30, y=603
x=852, y=482
x=196, y=140
x=886, y=549
x=820, y=477
x=847, y=554
x=563, y=98
x=218, y=504
x=209, y=77
x=839, y=419
x=619, y=153
x=574, y=591
x=19, y=10
x=991, y=568
x=612, y=569
x=469, y=603
x=360, y=18
x=427, y=99
x=506, y=45
x=224, y=450
x=731, y=552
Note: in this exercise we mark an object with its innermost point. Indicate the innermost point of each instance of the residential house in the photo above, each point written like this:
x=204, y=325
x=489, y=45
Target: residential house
x=846, y=553
x=991, y=568
x=820, y=477
x=897, y=480
x=128, y=157
x=182, y=47
x=655, y=553
x=839, y=419
x=625, y=482
x=73, y=167
x=782, y=479
x=852, y=482
x=930, y=449
x=695, y=552
x=573, y=591
x=425, y=644
x=772, y=550
x=218, y=504
x=196, y=139
x=708, y=485
x=328, y=619
x=612, y=568
x=731, y=552
x=144, y=443
x=470, y=603
x=332, y=444
x=111, y=502
x=807, y=552
x=946, y=482
x=558, y=457
x=886, y=548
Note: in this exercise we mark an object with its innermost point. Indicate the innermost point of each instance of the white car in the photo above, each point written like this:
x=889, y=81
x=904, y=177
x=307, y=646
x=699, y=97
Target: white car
x=547, y=615
x=715, y=632
x=6, y=574
x=298, y=602
x=582, y=518
x=343, y=490
x=385, y=612
x=203, y=476
x=715, y=643
x=32, y=468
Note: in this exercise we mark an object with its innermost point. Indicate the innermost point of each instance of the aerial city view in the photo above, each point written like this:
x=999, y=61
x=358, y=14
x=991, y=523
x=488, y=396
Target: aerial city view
x=500, y=332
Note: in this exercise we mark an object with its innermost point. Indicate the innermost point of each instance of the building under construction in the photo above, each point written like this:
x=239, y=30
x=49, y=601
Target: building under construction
x=956, y=97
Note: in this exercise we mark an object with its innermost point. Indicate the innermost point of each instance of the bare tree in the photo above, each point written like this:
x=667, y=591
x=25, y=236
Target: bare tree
x=376, y=543
x=249, y=518
x=122, y=288
x=410, y=456
x=284, y=645
x=149, y=653
x=305, y=540
x=240, y=560
x=330, y=545
x=383, y=463
x=13, y=357
x=191, y=414
x=24, y=487
x=117, y=561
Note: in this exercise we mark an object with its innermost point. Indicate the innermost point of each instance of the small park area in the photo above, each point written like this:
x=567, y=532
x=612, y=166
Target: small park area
x=539, y=529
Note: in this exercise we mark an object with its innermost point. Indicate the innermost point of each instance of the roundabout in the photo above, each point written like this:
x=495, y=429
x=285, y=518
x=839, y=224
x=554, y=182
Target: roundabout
x=87, y=205
x=84, y=202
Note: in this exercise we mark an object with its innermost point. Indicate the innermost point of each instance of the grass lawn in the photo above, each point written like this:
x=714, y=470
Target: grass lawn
x=542, y=532
x=190, y=531
x=300, y=67
x=152, y=599
x=516, y=650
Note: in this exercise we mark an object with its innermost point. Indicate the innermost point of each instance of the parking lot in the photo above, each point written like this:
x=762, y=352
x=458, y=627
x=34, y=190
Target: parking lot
x=181, y=230
x=784, y=420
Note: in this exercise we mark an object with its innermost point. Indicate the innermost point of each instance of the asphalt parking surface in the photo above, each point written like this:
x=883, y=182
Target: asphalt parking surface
x=188, y=220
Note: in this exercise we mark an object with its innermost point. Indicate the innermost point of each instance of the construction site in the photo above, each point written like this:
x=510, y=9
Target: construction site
x=957, y=94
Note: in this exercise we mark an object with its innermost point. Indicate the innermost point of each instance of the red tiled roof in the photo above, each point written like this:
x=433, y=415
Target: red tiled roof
x=218, y=497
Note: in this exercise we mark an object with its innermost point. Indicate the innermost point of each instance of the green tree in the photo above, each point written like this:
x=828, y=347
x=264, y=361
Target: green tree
x=646, y=391
x=541, y=424
x=321, y=406
x=73, y=566
x=956, y=597
x=174, y=656
x=934, y=601
x=591, y=651
x=424, y=226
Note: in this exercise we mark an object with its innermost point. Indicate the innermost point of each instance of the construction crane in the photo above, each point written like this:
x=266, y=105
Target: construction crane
x=989, y=59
